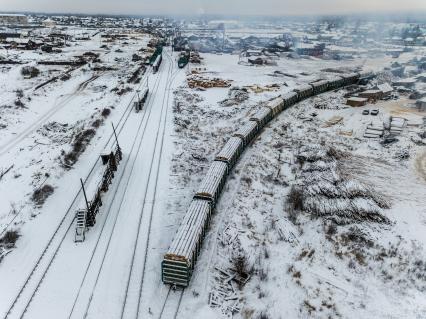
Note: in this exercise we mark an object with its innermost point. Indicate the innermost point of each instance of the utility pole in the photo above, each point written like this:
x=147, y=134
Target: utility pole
x=85, y=196
x=115, y=134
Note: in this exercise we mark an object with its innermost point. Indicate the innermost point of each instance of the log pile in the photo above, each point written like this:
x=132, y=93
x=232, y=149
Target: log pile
x=204, y=83
x=324, y=190
x=260, y=89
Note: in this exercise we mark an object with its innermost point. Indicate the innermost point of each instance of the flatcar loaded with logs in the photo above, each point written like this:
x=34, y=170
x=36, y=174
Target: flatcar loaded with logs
x=179, y=261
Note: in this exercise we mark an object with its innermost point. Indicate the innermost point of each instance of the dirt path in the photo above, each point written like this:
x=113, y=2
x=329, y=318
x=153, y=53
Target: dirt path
x=421, y=165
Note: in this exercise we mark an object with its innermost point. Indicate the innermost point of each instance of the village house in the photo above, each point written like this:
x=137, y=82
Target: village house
x=386, y=89
x=372, y=95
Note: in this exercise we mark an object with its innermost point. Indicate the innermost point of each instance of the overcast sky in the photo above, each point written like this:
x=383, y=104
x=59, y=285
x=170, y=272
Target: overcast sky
x=231, y=7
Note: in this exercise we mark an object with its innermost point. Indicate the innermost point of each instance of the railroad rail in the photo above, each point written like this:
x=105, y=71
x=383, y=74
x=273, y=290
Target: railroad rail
x=171, y=304
x=38, y=272
x=92, y=292
x=98, y=268
x=134, y=271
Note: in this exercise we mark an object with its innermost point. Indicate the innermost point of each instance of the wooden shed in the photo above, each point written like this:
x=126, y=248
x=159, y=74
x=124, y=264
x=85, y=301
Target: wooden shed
x=372, y=94
x=356, y=101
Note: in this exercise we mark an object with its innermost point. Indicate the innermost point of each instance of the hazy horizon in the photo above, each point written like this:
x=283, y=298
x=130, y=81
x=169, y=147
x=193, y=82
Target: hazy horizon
x=218, y=7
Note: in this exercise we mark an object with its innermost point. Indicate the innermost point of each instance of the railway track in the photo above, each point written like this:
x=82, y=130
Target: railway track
x=43, y=263
x=132, y=279
x=171, y=304
x=98, y=269
x=120, y=126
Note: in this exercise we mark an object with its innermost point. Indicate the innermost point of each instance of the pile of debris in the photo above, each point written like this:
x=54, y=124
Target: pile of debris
x=231, y=276
x=327, y=103
x=260, y=89
x=324, y=189
x=236, y=95
x=333, y=121
x=204, y=83
x=56, y=133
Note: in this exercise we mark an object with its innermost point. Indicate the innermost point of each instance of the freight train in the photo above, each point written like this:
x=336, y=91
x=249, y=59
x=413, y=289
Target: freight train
x=142, y=97
x=179, y=261
x=183, y=59
x=157, y=63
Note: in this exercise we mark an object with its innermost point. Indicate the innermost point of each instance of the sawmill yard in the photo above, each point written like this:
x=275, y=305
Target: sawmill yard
x=319, y=218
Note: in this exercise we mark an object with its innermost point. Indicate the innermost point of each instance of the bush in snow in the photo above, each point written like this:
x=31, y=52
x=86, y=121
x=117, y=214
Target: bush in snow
x=41, y=194
x=19, y=103
x=79, y=145
x=19, y=94
x=30, y=71
x=106, y=112
x=9, y=239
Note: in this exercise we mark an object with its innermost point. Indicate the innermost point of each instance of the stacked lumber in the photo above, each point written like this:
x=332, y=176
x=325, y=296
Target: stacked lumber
x=397, y=125
x=199, y=82
x=374, y=130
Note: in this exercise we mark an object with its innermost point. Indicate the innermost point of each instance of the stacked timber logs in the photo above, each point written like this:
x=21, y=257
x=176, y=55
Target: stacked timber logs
x=200, y=82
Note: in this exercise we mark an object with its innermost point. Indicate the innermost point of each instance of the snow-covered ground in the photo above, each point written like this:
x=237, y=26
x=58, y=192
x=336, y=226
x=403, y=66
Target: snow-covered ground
x=300, y=265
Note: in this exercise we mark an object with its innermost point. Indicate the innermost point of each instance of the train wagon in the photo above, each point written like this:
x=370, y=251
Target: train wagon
x=304, y=91
x=183, y=59
x=276, y=105
x=289, y=99
x=350, y=78
x=179, y=261
x=142, y=99
x=213, y=182
x=263, y=116
x=158, y=51
x=365, y=76
x=247, y=132
x=335, y=82
x=157, y=63
x=231, y=151
x=320, y=86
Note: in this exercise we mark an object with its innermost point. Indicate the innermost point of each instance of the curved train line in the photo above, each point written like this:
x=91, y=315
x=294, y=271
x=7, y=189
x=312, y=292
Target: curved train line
x=179, y=261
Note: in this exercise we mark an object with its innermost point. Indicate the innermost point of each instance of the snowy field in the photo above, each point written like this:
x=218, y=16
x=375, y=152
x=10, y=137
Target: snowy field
x=300, y=264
